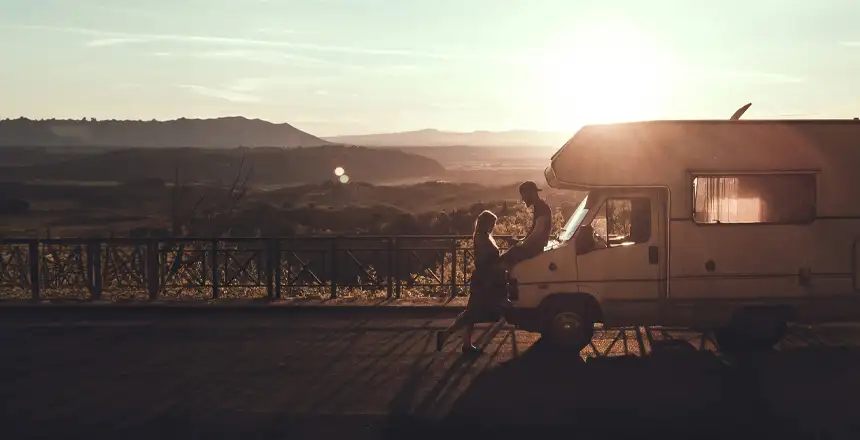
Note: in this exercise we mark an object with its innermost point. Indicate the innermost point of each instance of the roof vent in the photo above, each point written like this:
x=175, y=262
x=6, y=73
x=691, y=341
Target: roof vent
x=740, y=112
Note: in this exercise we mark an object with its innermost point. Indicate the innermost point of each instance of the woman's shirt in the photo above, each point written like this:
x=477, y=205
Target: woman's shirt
x=486, y=251
x=487, y=281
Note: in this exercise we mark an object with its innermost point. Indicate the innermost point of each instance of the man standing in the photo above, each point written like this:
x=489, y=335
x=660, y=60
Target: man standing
x=538, y=236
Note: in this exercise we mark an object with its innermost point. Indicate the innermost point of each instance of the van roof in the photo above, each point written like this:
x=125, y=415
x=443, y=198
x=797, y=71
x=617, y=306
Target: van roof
x=739, y=121
x=710, y=123
x=664, y=153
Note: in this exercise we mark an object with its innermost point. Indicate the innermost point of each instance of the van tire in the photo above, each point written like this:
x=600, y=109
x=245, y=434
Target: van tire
x=566, y=325
x=734, y=338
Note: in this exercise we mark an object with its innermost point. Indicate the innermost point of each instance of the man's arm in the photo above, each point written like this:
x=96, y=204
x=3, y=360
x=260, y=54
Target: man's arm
x=542, y=224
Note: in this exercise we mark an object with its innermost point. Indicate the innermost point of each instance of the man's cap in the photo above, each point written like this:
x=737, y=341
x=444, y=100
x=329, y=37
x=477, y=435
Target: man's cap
x=529, y=186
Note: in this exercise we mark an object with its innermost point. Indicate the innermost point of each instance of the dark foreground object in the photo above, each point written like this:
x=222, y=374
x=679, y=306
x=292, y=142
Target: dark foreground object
x=320, y=376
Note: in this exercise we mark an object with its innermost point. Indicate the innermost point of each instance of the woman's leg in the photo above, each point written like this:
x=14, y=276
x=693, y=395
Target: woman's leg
x=467, y=338
x=442, y=335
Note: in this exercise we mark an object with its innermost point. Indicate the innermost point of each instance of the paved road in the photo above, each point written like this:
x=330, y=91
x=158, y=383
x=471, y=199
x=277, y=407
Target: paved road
x=322, y=375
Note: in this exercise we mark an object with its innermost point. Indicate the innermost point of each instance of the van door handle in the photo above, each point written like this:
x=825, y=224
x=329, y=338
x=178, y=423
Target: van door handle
x=653, y=254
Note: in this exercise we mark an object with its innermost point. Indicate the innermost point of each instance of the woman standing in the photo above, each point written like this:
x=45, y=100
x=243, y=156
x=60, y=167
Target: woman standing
x=487, y=285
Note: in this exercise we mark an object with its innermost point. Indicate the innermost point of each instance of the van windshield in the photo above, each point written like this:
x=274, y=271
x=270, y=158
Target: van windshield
x=574, y=221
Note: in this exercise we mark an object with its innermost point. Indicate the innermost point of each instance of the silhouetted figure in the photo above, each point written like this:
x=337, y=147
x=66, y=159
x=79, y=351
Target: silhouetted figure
x=538, y=235
x=487, y=285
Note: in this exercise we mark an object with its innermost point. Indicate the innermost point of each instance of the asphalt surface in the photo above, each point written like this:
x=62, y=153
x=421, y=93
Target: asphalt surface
x=377, y=375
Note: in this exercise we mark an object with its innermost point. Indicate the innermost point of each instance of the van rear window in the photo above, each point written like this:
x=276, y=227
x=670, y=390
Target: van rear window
x=754, y=198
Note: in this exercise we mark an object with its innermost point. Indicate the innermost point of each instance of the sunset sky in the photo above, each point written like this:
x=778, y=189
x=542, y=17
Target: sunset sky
x=360, y=66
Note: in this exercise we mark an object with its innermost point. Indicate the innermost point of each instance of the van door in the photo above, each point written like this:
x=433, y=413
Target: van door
x=625, y=265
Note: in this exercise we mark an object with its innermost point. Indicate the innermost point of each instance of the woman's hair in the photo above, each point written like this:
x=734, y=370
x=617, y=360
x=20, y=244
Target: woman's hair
x=485, y=222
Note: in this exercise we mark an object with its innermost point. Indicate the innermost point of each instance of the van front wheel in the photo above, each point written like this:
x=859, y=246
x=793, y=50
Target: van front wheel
x=569, y=329
x=764, y=336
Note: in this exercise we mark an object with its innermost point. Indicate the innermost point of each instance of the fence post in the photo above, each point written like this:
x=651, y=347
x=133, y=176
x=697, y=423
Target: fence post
x=389, y=282
x=35, y=278
x=397, y=282
x=152, y=268
x=270, y=269
x=88, y=260
x=94, y=268
x=276, y=264
x=213, y=254
x=454, y=290
x=333, y=271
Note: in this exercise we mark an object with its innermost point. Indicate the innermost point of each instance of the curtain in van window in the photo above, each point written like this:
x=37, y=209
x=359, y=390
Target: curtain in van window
x=717, y=200
x=788, y=198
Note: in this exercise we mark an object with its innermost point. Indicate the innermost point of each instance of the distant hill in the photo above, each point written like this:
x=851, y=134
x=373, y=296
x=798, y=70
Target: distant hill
x=434, y=138
x=271, y=166
x=227, y=132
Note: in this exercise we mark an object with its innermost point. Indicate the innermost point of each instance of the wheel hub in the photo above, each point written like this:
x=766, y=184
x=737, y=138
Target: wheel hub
x=568, y=324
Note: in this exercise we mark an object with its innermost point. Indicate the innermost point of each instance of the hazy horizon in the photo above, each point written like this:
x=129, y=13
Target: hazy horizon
x=353, y=67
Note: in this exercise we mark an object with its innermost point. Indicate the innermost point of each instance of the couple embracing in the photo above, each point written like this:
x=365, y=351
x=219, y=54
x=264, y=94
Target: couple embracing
x=487, y=286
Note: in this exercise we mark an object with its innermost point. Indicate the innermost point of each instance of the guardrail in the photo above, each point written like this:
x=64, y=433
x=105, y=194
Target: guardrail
x=213, y=268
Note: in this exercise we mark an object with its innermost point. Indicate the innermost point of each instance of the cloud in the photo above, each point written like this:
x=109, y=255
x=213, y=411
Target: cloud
x=114, y=41
x=228, y=94
x=252, y=84
x=246, y=89
x=275, y=57
x=105, y=38
x=260, y=56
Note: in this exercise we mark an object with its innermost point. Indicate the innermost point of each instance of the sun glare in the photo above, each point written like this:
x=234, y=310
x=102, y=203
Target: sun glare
x=603, y=76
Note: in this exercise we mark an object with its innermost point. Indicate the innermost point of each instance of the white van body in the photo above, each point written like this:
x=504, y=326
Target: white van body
x=709, y=220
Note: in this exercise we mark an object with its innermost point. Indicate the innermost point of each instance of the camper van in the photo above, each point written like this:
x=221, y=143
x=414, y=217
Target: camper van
x=737, y=226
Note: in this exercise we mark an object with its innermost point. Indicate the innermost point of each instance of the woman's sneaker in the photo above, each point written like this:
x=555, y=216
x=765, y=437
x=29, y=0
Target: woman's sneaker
x=471, y=349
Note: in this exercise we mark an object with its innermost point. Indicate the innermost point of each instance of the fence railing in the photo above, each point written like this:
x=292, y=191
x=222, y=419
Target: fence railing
x=213, y=268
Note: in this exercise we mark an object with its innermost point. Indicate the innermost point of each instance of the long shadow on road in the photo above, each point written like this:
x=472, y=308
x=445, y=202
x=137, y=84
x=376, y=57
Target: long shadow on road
x=409, y=399
x=675, y=392
x=343, y=381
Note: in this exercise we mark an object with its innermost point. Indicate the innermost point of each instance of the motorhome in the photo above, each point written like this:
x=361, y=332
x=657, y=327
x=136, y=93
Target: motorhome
x=740, y=226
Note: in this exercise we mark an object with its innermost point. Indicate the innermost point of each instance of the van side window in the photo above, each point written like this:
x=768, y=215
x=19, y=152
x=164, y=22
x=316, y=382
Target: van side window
x=787, y=198
x=622, y=222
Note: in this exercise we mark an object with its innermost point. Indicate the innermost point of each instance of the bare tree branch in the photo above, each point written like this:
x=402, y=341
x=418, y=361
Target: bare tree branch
x=222, y=207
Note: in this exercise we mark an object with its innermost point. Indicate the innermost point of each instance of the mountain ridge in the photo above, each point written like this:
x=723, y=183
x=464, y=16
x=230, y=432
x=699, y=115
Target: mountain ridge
x=264, y=165
x=223, y=132
x=431, y=137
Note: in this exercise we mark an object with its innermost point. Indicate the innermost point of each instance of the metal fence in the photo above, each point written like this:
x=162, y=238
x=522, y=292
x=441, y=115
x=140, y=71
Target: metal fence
x=213, y=268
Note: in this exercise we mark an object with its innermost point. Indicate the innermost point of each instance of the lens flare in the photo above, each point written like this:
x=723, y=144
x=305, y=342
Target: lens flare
x=344, y=178
x=339, y=171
